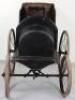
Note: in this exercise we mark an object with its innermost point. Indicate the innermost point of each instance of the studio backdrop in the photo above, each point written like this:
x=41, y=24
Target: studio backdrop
x=9, y=17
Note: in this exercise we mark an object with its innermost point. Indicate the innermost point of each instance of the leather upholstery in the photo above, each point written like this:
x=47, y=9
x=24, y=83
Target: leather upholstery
x=36, y=34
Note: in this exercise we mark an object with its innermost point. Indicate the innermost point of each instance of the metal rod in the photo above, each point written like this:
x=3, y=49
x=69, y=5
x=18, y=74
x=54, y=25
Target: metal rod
x=31, y=75
x=39, y=75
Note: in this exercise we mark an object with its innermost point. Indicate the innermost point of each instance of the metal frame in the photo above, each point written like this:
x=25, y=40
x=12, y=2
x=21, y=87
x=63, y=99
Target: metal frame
x=39, y=74
x=36, y=73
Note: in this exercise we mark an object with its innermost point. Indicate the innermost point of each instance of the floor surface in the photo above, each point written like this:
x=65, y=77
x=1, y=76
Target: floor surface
x=38, y=89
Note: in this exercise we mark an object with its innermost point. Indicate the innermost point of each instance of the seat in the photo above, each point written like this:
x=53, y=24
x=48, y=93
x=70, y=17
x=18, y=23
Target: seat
x=36, y=34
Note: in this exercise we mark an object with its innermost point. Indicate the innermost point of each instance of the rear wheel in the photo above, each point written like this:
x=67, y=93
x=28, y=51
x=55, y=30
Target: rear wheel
x=65, y=69
x=64, y=46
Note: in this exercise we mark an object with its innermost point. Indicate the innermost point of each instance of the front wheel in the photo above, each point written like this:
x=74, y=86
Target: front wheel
x=10, y=64
x=66, y=76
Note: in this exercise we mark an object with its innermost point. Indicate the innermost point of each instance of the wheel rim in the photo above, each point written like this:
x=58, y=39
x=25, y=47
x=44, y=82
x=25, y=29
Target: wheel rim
x=7, y=77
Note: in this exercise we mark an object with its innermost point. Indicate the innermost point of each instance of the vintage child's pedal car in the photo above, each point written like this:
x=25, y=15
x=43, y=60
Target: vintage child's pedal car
x=34, y=44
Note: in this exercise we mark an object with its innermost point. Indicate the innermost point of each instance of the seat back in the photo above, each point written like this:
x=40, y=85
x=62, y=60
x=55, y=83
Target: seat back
x=40, y=30
x=38, y=9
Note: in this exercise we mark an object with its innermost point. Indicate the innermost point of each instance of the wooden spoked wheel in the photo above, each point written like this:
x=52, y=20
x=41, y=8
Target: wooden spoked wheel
x=65, y=69
x=64, y=46
x=65, y=81
x=10, y=64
